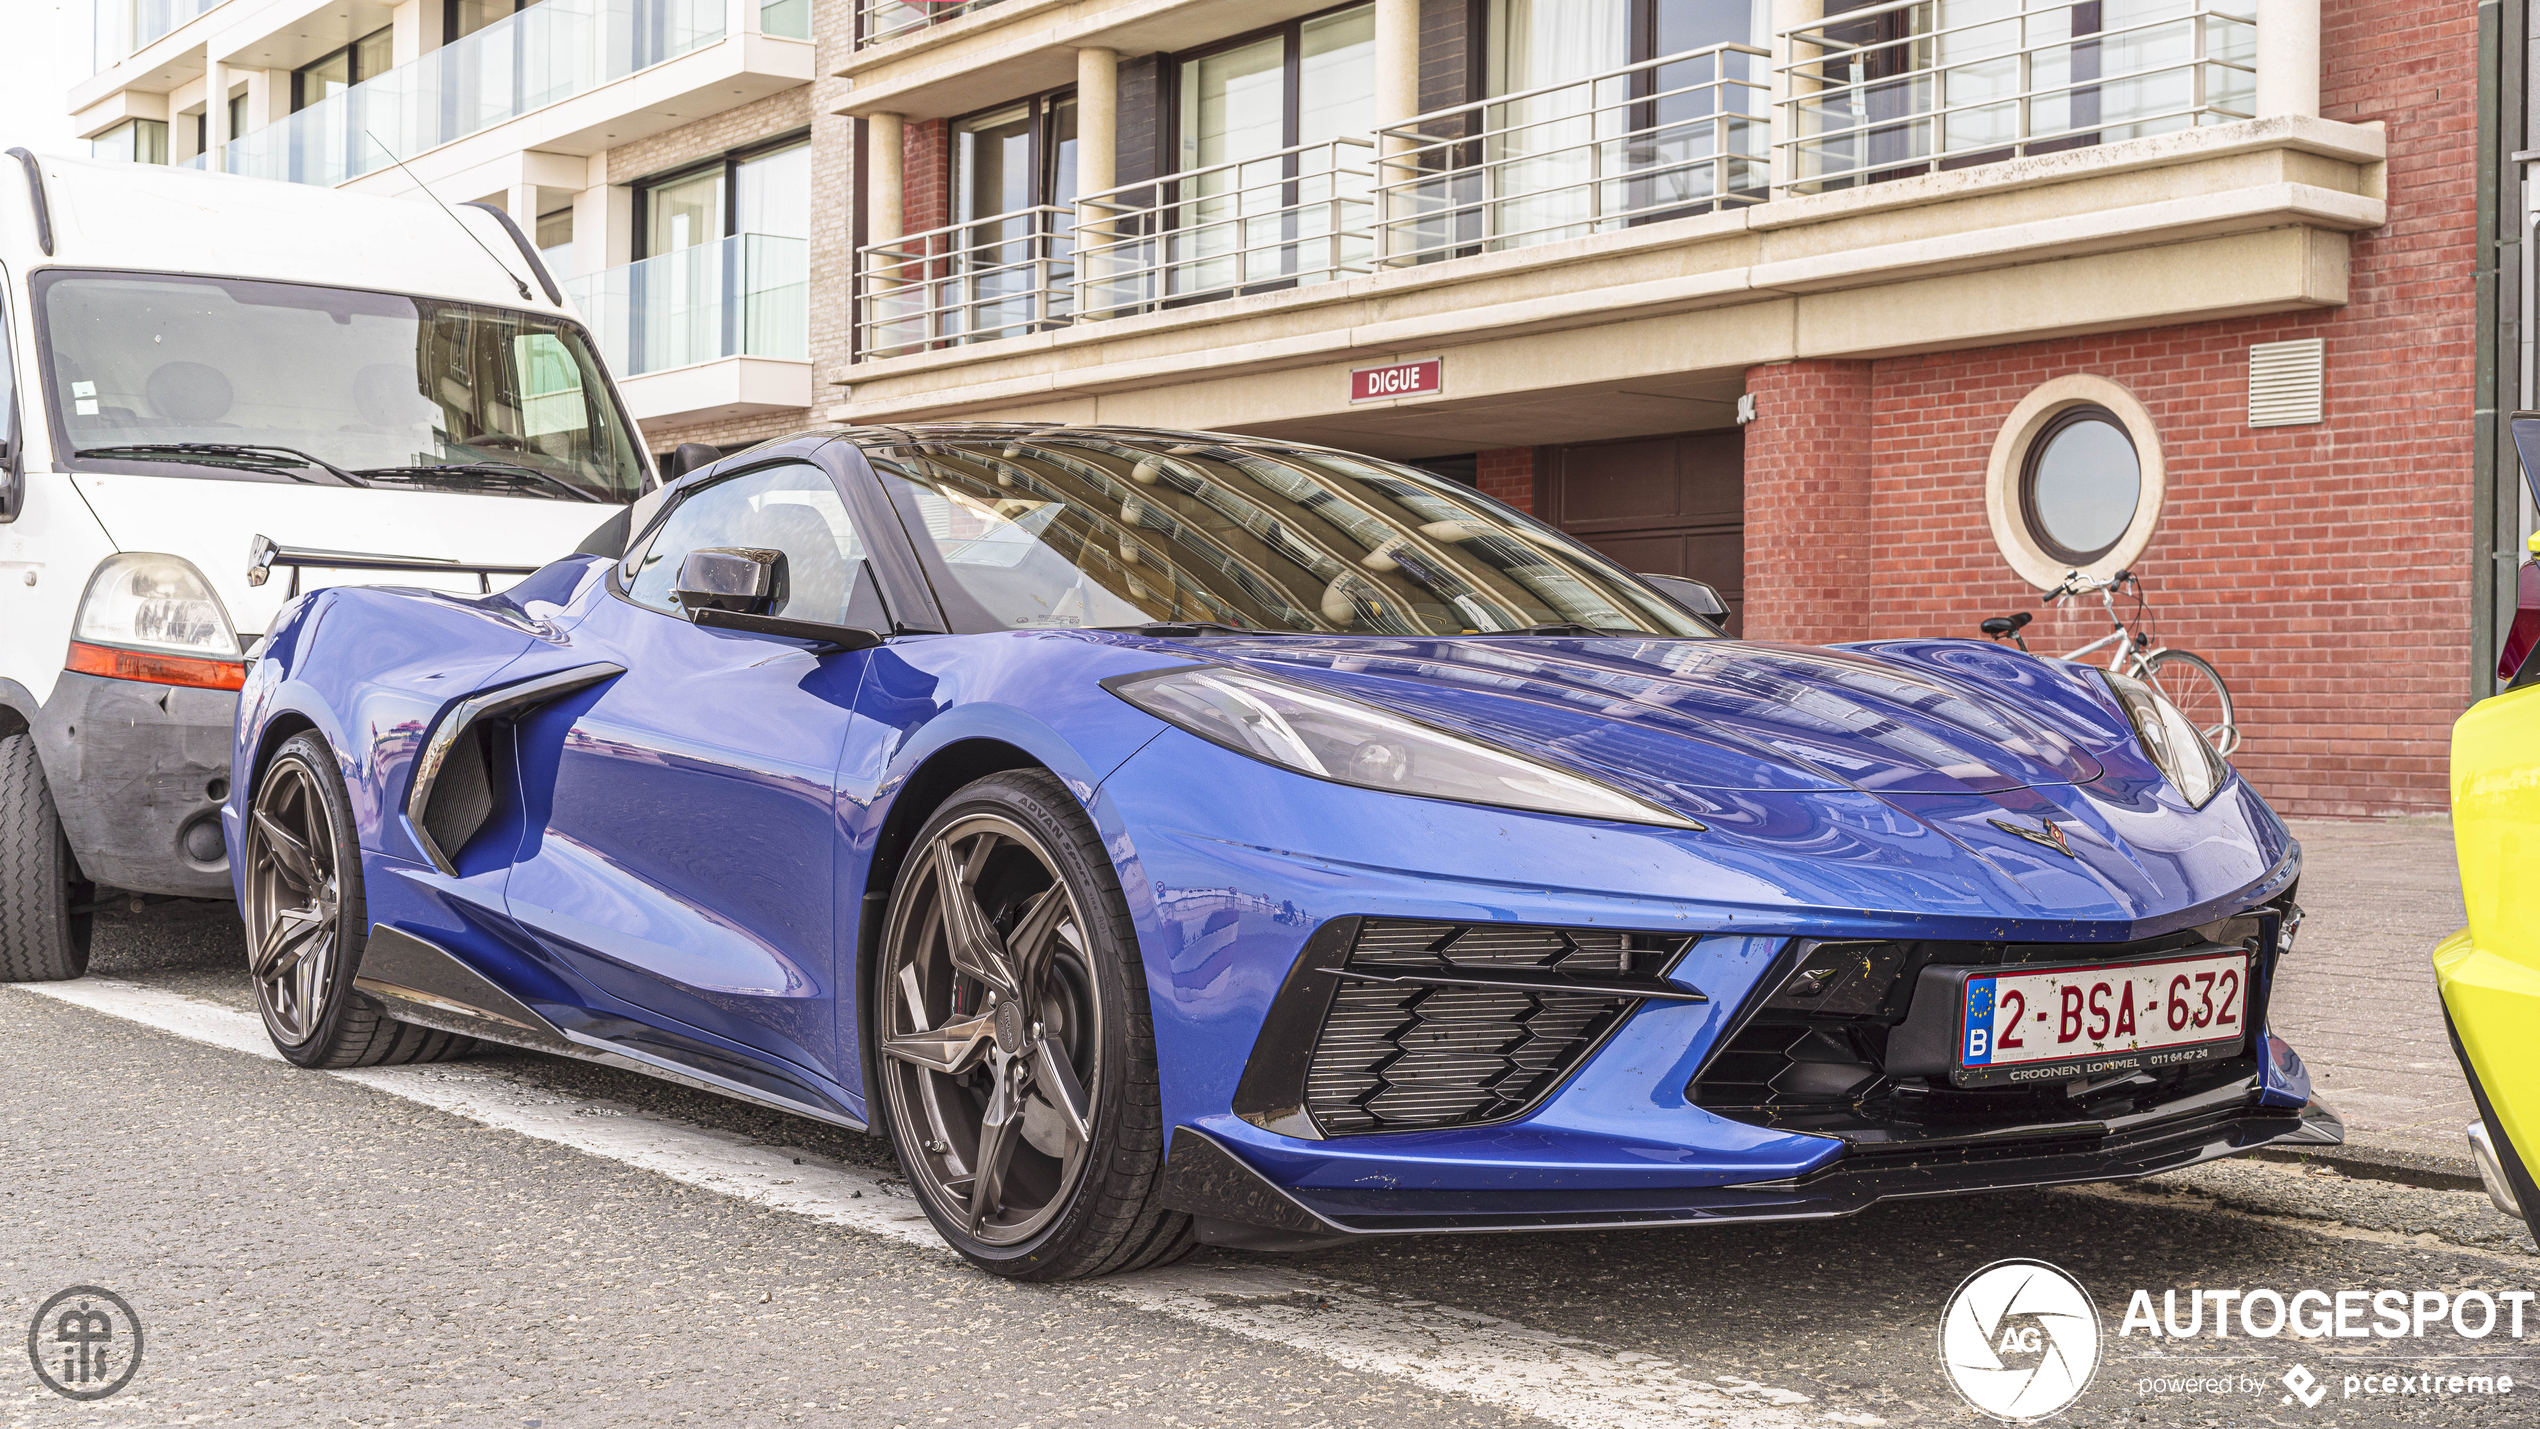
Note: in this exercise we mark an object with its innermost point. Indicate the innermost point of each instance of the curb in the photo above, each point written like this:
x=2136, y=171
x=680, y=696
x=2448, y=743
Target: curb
x=2367, y=1162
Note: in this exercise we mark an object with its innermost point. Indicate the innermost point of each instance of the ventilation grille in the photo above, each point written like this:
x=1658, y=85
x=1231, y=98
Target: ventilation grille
x=1396, y=1057
x=463, y=795
x=2285, y=382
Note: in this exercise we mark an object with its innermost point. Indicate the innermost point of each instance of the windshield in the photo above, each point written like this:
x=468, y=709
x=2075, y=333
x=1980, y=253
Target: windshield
x=332, y=386
x=1066, y=529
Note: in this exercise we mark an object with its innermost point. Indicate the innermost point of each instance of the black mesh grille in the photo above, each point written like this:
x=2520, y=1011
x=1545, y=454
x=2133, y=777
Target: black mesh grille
x=1397, y=1057
x=462, y=796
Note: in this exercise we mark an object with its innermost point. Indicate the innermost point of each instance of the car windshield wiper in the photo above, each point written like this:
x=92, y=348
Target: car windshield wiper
x=255, y=456
x=479, y=468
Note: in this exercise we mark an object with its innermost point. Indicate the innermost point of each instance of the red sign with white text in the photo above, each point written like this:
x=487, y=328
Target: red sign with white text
x=1402, y=379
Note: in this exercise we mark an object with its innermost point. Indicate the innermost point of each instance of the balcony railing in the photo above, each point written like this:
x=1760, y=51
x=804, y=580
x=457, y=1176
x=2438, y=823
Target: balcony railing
x=1873, y=94
x=1661, y=139
x=125, y=26
x=743, y=296
x=1913, y=86
x=881, y=20
x=1282, y=220
x=968, y=282
x=548, y=52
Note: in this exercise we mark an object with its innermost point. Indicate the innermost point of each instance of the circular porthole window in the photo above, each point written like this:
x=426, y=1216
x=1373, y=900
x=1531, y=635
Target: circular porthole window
x=2075, y=481
x=2079, y=484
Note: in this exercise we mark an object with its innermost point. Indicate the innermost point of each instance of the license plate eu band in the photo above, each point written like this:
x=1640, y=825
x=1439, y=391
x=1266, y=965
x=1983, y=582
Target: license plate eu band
x=2062, y=1024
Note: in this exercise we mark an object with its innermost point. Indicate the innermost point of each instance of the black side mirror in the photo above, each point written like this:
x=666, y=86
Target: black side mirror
x=739, y=578
x=690, y=456
x=1700, y=597
x=734, y=587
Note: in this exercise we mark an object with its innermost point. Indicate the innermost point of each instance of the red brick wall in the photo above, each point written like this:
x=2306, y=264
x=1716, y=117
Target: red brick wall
x=925, y=176
x=1507, y=474
x=1811, y=535
x=2325, y=570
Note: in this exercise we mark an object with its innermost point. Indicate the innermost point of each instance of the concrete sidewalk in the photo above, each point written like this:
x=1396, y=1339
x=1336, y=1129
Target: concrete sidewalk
x=2356, y=997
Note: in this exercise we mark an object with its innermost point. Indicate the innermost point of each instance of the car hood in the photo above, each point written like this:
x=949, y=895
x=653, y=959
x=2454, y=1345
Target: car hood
x=1674, y=717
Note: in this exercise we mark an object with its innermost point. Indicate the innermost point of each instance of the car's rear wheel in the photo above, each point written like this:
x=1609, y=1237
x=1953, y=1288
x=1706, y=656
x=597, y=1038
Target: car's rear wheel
x=306, y=922
x=1015, y=1056
x=44, y=917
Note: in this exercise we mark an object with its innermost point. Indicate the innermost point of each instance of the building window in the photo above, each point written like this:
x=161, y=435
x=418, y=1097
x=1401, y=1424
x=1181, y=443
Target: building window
x=371, y=55
x=555, y=241
x=2079, y=484
x=2075, y=481
x=142, y=141
x=463, y=18
x=1018, y=157
x=764, y=190
x=1306, y=82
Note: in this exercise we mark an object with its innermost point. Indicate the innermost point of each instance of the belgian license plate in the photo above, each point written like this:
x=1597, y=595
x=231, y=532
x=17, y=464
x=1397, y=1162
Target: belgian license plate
x=2060, y=1024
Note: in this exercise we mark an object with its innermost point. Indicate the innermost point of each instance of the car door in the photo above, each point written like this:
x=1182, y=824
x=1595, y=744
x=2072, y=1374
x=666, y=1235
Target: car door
x=681, y=854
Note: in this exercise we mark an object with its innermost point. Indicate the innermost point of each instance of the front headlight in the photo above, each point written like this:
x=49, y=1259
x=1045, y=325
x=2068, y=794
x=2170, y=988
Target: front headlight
x=2169, y=738
x=154, y=618
x=1337, y=738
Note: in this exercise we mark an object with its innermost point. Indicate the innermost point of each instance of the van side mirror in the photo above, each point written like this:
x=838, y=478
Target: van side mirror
x=737, y=578
x=688, y=457
x=1700, y=597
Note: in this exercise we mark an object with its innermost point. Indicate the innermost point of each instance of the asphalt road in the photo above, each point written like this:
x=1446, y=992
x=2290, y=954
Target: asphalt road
x=514, y=1240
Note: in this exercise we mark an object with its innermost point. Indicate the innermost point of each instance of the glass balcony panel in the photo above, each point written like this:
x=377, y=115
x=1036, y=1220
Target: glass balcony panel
x=546, y=53
x=747, y=295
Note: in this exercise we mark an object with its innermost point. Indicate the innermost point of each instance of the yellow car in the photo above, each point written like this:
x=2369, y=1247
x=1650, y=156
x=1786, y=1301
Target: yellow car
x=2489, y=972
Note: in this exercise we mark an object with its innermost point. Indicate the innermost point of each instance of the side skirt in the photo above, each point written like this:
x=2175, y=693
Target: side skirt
x=415, y=980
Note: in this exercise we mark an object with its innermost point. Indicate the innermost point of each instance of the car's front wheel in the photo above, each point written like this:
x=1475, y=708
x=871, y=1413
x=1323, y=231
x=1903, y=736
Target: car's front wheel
x=306, y=922
x=44, y=913
x=1014, y=1052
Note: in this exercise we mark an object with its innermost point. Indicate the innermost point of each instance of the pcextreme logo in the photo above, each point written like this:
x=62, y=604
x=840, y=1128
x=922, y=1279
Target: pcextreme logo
x=2020, y=1340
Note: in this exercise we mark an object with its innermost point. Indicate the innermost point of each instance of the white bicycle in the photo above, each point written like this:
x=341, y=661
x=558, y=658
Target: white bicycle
x=2189, y=680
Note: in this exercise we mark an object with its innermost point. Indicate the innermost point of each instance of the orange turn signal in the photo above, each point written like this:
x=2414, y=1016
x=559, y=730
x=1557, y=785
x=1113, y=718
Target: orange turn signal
x=190, y=670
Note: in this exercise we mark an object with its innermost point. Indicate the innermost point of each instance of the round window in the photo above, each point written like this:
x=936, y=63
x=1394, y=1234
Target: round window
x=2079, y=485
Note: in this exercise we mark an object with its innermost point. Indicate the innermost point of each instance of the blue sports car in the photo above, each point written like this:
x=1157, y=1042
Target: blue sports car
x=1172, y=837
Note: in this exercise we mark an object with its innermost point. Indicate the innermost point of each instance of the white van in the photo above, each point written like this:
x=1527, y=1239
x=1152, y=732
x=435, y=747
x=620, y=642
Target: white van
x=216, y=392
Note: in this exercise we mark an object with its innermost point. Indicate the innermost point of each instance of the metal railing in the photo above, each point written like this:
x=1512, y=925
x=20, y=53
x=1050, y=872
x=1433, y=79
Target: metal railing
x=1913, y=86
x=878, y=21
x=1678, y=135
x=973, y=281
x=1279, y=220
x=548, y=52
x=744, y=296
x=124, y=26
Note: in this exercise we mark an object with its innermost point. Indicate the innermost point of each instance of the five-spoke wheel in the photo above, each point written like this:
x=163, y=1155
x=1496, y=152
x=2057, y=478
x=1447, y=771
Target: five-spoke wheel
x=1011, y=1056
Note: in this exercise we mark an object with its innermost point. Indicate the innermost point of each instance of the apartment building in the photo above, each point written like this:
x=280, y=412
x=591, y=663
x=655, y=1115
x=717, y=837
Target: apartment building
x=660, y=152
x=1877, y=314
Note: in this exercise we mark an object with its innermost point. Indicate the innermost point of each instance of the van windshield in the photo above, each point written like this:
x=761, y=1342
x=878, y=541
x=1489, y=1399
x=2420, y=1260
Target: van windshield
x=332, y=386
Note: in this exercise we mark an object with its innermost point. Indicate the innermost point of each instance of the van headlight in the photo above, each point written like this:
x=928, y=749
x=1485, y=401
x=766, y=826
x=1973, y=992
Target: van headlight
x=2169, y=738
x=1334, y=737
x=153, y=617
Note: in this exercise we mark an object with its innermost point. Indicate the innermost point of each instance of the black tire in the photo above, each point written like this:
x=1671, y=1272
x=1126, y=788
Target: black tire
x=43, y=926
x=2196, y=687
x=1101, y=1212
x=311, y=1011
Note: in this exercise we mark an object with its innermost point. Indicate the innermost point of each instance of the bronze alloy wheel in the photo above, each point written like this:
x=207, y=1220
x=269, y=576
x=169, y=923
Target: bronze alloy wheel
x=991, y=1032
x=294, y=895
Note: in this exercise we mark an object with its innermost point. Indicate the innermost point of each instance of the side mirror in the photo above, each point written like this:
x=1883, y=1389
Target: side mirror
x=690, y=456
x=738, y=578
x=1697, y=596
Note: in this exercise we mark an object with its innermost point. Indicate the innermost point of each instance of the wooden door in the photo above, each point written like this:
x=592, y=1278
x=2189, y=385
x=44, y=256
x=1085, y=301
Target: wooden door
x=1671, y=506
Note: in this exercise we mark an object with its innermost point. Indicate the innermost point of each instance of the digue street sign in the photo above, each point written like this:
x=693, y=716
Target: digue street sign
x=1401, y=379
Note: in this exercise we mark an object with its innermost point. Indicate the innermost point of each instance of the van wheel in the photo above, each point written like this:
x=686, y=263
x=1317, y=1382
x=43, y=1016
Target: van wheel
x=44, y=920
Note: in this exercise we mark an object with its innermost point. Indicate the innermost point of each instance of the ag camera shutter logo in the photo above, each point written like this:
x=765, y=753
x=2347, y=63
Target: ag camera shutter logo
x=2020, y=1340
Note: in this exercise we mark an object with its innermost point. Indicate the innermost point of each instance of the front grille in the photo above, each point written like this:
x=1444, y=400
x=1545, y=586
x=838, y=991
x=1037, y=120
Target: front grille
x=1825, y=1043
x=1394, y=1056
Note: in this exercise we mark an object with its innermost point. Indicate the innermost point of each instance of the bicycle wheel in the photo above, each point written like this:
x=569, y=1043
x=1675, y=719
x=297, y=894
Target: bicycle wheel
x=2193, y=686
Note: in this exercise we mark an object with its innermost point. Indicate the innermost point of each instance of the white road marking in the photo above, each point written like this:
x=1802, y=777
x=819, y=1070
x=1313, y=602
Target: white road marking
x=1562, y=1380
